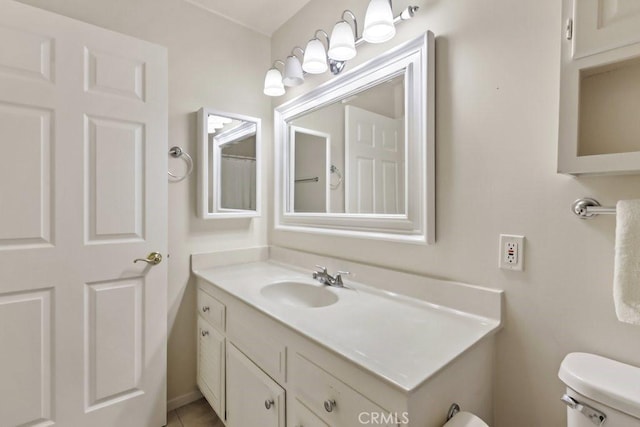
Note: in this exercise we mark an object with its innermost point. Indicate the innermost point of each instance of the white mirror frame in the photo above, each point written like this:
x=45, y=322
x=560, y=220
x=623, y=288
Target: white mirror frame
x=207, y=157
x=415, y=59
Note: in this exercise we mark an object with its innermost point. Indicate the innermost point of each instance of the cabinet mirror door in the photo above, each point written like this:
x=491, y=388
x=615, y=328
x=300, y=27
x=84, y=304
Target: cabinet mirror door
x=229, y=165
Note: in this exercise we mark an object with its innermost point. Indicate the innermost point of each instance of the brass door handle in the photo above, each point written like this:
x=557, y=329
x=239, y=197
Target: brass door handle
x=154, y=258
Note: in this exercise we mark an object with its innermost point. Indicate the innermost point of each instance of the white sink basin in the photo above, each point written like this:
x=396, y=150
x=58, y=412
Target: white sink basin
x=299, y=294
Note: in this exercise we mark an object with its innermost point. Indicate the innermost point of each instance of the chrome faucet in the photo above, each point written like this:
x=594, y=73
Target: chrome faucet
x=325, y=278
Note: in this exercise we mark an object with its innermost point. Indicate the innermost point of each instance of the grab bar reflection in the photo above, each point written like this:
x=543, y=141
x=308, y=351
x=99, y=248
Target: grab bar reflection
x=314, y=179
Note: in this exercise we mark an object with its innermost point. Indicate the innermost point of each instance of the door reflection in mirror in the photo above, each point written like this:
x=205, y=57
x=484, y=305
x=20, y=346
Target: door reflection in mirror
x=311, y=151
x=356, y=149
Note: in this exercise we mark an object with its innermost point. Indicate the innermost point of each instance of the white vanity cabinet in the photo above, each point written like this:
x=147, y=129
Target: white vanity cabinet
x=365, y=360
x=600, y=87
x=272, y=373
x=211, y=351
x=253, y=398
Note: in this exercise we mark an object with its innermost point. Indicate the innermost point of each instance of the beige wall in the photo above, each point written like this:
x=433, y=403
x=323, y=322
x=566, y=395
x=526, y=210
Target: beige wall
x=497, y=123
x=212, y=63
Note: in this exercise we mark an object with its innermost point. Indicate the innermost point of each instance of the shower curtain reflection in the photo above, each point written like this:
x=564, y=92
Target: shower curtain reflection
x=237, y=182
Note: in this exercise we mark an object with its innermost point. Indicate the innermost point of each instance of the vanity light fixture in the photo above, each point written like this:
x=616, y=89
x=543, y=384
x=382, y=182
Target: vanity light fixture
x=378, y=22
x=273, y=81
x=315, y=55
x=293, y=69
x=341, y=46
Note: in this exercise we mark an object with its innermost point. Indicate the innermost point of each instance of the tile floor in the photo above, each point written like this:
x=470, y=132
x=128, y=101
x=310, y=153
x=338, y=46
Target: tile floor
x=196, y=414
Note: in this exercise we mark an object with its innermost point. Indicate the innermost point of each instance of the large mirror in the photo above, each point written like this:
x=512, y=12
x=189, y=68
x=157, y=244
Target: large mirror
x=229, y=165
x=356, y=154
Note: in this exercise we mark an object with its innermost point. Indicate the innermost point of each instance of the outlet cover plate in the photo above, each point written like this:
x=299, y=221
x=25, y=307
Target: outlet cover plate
x=511, y=252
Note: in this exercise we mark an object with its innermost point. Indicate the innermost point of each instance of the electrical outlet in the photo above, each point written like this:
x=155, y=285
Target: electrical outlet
x=511, y=252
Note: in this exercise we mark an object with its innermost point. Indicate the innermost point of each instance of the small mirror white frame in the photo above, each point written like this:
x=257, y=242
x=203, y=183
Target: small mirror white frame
x=415, y=60
x=210, y=164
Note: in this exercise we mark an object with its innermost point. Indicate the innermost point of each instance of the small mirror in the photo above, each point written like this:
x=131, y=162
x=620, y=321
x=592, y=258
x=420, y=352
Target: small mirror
x=355, y=156
x=229, y=165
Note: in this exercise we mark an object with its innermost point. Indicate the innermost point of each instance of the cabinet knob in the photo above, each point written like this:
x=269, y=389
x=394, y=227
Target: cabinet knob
x=204, y=333
x=329, y=405
x=268, y=403
x=205, y=309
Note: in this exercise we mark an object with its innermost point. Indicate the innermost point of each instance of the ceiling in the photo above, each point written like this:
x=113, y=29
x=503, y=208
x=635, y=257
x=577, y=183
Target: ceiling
x=263, y=16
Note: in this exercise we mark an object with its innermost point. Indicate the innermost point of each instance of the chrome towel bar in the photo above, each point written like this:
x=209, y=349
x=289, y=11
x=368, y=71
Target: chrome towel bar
x=587, y=208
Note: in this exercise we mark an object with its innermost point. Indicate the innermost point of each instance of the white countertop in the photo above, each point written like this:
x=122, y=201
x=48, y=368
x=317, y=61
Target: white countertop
x=403, y=340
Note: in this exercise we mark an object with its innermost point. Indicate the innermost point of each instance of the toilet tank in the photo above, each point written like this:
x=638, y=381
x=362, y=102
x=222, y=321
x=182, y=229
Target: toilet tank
x=600, y=391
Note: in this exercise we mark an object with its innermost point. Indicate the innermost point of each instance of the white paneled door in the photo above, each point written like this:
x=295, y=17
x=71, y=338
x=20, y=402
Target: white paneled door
x=374, y=165
x=83, y=138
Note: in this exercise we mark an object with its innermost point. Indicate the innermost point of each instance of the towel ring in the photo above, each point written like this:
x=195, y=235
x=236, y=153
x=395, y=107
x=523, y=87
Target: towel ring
x=334, y=169
x=177, y=152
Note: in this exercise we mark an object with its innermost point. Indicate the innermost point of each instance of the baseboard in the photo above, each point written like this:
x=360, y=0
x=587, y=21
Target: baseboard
x=185, y=399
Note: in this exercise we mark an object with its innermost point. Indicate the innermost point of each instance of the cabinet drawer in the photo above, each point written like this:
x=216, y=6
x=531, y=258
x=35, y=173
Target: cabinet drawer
x=258, y=337
x=212, y=310
x=336, y=402
x=303, y=417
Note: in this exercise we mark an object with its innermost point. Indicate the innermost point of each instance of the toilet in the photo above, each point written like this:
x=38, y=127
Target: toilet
x=600, y=391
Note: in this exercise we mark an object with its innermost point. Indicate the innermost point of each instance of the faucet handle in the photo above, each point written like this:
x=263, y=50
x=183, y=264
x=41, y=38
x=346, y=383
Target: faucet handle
x=323, y=269
x=338, y=277
x=319, y=275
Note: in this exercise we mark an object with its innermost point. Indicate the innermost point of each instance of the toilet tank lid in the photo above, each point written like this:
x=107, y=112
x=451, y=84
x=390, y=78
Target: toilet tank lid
x=607, y=381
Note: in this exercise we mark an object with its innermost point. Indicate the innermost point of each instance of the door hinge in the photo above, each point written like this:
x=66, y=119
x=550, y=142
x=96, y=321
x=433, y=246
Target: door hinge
x=569, y=29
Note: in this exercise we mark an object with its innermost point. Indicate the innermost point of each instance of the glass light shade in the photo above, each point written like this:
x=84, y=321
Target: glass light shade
x=292, y=72
x=342, y=46
x=273, y=83
x=315, y=58
x=378, y=22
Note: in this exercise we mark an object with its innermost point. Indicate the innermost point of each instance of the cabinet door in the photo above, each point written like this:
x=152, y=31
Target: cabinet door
x=601, y=25
x=211, y=365
x=253, y=398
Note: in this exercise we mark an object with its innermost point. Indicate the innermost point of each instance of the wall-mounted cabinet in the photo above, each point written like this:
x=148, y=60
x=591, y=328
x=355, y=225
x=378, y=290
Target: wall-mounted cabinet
x=600, y=87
